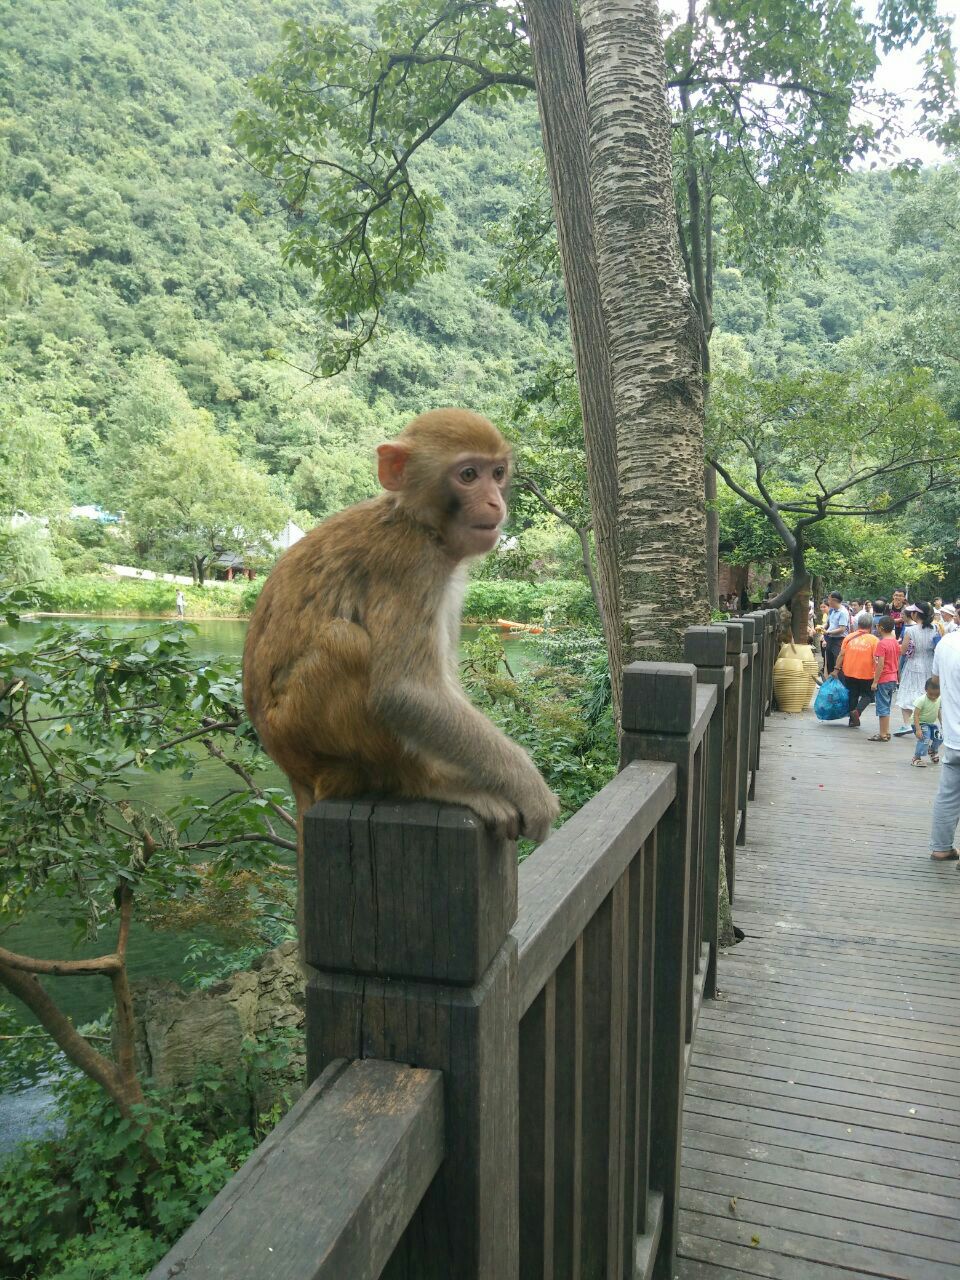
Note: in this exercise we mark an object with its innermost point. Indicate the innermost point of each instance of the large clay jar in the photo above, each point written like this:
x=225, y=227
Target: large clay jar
x=793, y=684
x=809, y=660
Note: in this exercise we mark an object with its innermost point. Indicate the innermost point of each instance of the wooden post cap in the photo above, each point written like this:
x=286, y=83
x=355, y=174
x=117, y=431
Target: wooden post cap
x=705, y=646
x=659, y=697
x=734, y=636
x=405, y=889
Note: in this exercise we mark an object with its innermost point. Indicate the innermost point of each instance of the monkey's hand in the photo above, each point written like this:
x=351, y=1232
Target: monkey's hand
x=499, y=815
x=539, y=808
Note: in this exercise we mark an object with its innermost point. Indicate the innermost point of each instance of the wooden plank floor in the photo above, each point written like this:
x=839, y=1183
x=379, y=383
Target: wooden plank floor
x=822, y=1116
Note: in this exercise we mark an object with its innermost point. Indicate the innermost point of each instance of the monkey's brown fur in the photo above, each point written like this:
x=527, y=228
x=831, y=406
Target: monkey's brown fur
x=350, y=663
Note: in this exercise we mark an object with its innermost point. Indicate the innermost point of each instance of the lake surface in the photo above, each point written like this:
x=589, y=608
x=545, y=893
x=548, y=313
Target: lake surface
x=151, y=954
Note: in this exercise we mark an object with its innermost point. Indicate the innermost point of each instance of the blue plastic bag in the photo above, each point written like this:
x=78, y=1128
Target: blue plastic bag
x=832, y=700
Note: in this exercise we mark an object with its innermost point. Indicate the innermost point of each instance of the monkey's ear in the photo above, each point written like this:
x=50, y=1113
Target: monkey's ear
x=391, y=461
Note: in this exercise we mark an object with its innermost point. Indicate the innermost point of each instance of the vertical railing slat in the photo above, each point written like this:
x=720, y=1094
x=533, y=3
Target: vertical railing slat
x=631, y=1127
x=603, y=1085
x=746, y=726
x=693, y=885
x=538, y=1049
x=648, y=939
x=568, y=1129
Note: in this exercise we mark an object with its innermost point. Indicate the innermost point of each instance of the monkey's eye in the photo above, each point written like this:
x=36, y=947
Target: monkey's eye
x=468, y=474
x=499, y=473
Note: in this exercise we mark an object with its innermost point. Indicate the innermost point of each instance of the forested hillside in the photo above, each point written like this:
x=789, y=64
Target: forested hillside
x=138, y=286
x=153, y=342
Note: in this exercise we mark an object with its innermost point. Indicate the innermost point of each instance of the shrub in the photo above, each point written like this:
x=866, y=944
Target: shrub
x=27, y=554
x=97, y=593
x=103, y=1202
x=558, y=601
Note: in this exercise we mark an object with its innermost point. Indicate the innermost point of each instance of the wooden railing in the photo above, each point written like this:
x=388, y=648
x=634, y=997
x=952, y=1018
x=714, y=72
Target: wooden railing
x=557, y=1007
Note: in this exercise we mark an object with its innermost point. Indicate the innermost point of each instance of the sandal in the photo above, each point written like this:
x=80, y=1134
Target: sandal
x=950, y=855
x=879, y=737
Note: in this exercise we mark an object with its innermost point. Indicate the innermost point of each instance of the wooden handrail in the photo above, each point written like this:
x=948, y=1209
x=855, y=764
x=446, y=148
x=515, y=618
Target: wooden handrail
x=562, y=888
x=330, y=1192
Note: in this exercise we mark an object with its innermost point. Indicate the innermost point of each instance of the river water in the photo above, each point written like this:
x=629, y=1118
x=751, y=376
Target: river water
x=151, y=954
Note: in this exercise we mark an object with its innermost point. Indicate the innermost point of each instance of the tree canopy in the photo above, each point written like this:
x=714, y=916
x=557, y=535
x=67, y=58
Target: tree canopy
x=803, y=448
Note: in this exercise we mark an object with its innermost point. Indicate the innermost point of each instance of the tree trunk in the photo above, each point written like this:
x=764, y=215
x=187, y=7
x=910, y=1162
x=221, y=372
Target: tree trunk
x=551, y=26
x=654, y=330
x=800, y=613
x=122, y=1087
x=198, y=566
x=713, y=536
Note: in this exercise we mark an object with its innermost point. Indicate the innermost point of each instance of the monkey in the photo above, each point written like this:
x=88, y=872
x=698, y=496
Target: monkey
x=350, y=672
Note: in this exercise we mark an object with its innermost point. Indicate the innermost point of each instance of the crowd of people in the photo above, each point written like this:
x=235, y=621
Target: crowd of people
x=904, y=657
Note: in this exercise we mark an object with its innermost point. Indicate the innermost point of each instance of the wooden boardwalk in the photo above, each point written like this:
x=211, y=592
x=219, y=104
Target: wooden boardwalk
x=822, y=1118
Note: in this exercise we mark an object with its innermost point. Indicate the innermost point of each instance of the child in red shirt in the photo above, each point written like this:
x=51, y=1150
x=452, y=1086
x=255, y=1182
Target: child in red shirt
x=886, y=659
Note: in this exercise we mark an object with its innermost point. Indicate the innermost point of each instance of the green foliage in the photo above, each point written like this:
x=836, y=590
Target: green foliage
x=27, y=555
x=559, y=709
x=547, y=427
x=32, y=459
x=94, y=593
x=359, y=104
x=811, y=452
x=83, y=715
x=555, y=602
x=862, y=557
x=98, y=1202
x=929, y=331
x=138, y=285
x=844, y=443
x=193, y=501
x=857, y=556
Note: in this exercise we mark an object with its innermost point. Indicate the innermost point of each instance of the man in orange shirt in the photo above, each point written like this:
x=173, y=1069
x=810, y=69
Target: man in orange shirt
x=855, y=666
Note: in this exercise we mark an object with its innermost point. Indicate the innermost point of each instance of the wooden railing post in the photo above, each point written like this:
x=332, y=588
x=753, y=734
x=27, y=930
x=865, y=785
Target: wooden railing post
x=659, y=703
x=407, y=914
x=749, y=626
x=758, y=693
x=773, y=626
x=706, y=648
x=731, y=751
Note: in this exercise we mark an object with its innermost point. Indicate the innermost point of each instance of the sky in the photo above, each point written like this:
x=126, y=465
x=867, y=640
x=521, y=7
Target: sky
x=899, y=73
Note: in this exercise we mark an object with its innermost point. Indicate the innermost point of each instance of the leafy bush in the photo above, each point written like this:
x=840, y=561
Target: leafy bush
x=559, y=709
x=95, y=593
x=27, y=554
x=103, y=1202
x=558, y=601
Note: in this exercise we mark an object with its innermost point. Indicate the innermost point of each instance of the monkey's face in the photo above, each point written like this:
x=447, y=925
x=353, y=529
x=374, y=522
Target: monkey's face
x=477, y=503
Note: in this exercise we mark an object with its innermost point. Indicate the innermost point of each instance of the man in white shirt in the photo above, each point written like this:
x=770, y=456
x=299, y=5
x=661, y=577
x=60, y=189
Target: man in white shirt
x=946, y=807
x=838, y=624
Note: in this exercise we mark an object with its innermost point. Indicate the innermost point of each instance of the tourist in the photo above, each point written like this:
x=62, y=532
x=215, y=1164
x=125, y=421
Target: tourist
x=181, y=603
x=946, y=806
x=895, y=611
x=949, y=615
x=836, y=627
x=886, y=660
x=926, y=717
x=916, y=648
x=856, y=667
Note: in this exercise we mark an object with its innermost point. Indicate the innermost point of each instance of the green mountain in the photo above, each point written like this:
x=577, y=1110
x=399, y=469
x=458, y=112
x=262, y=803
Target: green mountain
x=136, y=282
